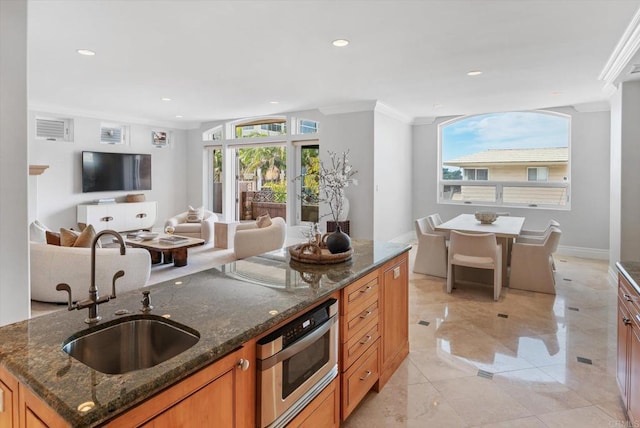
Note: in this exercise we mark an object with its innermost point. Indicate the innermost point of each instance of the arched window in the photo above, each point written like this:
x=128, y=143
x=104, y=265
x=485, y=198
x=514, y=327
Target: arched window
x=506, y=159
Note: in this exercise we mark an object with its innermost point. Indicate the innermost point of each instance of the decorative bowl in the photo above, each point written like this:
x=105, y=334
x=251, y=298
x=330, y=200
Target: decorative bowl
x=147, y=236
x=486, y=217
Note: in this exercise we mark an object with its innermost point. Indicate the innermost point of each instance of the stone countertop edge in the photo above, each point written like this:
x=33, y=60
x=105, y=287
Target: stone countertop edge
x=631, y=271
x=243, y=309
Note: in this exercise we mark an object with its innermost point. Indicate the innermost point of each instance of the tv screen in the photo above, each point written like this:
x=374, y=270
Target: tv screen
x=115, y=171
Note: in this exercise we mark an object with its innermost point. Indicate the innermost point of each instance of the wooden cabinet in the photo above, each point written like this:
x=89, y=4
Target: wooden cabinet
x=8, y=400
x=221, y=395
x=359, y=335
x=394, y=298
x=323, y=411
x=21, y=408
x=120, y=217
x=628, y=353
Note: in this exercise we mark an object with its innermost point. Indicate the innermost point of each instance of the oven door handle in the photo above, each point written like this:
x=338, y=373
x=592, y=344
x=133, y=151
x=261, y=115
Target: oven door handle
x=298, y=346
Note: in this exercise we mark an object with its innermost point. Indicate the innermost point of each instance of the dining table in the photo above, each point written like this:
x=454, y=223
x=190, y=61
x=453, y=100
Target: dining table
x=506, y=229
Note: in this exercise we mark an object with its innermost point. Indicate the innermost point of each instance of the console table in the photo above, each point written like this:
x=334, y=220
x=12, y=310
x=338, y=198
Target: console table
x=119, y=216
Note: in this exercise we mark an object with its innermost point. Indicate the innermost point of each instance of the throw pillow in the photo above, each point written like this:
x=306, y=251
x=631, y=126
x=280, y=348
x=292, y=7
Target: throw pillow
x=71, y=238
x=68, y=237
x=195, y=215
x=37, y=231
x=263, y=220
x=53, y=238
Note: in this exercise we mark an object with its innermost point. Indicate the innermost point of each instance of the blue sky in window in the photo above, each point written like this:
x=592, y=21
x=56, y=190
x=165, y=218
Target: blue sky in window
x=512, y=130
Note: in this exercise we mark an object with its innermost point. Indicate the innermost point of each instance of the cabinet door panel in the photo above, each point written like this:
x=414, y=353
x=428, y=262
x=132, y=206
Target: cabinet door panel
x=396, y=309
x=7, y=416
x=212, y=406
x=633, y=392
x=623, y=337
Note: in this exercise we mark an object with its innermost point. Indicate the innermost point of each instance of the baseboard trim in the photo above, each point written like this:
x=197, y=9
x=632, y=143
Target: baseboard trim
x=586, y=253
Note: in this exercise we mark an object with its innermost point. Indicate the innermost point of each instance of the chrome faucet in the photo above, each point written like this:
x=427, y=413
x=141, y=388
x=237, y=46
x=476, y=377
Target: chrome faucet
x=94, y=300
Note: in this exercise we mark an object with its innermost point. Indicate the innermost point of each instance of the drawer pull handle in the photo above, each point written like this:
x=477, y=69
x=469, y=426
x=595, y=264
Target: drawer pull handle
x=366, y=314
x=366, y=289
x=627, y=298
x=638, y=317
x=367, y=374
x=626, y=320
x=106, y=218
x=366, y=339
x=243, y=364
x=141, y=215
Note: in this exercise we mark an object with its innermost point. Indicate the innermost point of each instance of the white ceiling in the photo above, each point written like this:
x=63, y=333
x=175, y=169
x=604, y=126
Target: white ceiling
x=229, y=59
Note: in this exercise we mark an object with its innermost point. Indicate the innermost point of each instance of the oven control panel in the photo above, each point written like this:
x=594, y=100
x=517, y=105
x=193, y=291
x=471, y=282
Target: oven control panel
x=301, y=325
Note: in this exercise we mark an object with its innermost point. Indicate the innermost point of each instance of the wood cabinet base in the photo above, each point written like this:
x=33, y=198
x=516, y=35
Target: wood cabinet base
x=323, y=411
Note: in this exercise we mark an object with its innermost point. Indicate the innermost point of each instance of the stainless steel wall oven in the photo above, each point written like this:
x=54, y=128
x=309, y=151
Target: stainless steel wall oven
x=295, y=363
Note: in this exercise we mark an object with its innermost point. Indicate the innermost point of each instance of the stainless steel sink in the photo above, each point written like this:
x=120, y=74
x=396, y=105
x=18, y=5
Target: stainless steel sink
x=133, y=343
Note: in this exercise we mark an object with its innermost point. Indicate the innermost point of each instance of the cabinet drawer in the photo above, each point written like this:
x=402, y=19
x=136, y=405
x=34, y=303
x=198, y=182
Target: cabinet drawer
x=359, y=379
x=360, y=291
x=359, y=343
x=357, y=320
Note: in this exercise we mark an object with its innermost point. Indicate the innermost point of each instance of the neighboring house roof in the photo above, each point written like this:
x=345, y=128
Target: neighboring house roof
x=547, y=156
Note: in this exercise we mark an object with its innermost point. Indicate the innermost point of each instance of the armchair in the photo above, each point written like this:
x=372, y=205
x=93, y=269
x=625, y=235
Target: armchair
x=202, y=229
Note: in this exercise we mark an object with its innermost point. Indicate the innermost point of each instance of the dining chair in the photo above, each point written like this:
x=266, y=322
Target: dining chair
x=434, y=220
x=479, y=251
x=431, y=256
x=532, y=264
x=539, y=234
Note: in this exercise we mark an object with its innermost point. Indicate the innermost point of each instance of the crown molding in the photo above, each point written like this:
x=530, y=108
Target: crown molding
x=392, y=112
x=423, y=120
x=624, y=51
x=42, y=108
x=593, y=106
x=348, y=107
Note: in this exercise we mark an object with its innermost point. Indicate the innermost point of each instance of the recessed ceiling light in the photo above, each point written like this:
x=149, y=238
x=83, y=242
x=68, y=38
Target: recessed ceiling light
x=274, y=102
x=165, y=99
x=86, y=52
x=340, y=43
x=179, y=116
x=474, y=73
x=555, y=93
x=438, y=106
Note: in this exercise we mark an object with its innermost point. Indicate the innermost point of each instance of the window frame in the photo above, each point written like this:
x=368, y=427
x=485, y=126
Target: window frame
x=537, y=168
x=500, y=185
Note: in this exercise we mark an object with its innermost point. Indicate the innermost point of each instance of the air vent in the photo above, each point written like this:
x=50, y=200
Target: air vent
x=112, y=134
x=53, y=129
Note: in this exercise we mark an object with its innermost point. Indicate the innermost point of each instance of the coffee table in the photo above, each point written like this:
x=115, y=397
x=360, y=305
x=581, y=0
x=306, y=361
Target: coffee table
x=164, y=252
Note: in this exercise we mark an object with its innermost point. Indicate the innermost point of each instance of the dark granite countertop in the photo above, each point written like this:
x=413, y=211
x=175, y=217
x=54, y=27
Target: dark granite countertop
x=227, y=306
x=631, y=271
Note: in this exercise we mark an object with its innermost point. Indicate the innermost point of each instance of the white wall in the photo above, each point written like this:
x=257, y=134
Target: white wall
x=393, y=214
x=14, y=254
x=354, y=132
x=59, y=189
x=615, y=182
x=589, y=185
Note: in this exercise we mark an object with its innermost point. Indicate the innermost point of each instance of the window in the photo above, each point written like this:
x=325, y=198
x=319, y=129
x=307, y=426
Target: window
x=495, y=159
x=265, y=127
x=307, y=126
x=537, y=173
x=310, y=187
x=476, y=174
x=213, y=134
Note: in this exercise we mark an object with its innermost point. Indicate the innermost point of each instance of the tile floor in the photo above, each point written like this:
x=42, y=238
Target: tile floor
x=474, y=362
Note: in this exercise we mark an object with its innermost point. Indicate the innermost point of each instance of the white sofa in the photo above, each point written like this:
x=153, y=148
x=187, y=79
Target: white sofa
x=250, y=240
x=52, y=265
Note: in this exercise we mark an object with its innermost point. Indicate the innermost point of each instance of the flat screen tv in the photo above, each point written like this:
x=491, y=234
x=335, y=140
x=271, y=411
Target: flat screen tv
x=103, y=171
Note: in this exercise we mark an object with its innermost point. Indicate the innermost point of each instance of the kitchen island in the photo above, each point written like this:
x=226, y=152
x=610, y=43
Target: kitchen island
x=228, y=306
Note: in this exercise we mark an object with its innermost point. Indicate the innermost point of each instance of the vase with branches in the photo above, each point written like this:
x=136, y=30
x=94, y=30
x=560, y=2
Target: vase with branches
x=334, y=179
